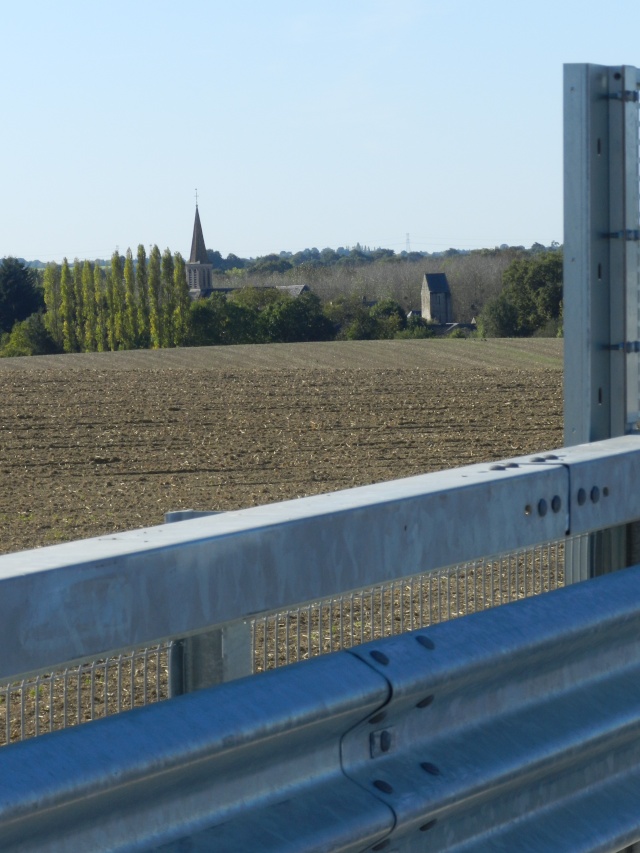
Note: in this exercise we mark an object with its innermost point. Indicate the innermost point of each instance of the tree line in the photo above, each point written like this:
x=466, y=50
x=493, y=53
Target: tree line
x=141, y=302
x=126, y=305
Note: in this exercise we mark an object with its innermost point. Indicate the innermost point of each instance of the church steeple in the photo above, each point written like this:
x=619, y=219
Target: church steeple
x=199, y=269
x=198, y=249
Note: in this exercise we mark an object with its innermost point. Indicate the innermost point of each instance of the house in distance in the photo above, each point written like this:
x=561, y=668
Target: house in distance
x=436, y=298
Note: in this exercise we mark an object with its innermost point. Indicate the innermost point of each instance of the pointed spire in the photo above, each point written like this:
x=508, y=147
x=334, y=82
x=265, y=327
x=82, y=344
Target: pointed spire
x=198, y=249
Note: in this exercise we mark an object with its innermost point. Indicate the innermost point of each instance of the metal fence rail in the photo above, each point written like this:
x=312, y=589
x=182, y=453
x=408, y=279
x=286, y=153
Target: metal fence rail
x=470, y=735
x=231, y=594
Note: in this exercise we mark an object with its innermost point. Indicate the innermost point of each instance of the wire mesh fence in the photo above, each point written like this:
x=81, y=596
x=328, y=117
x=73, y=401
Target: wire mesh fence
x=406, y=604
x=78, y=694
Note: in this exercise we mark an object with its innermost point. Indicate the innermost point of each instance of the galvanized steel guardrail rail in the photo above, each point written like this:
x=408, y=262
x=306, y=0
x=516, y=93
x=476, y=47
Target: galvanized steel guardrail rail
x=81, y=600
x=511, y=729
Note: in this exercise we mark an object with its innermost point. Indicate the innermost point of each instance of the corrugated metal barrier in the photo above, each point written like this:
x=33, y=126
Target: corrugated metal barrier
x=515, y=729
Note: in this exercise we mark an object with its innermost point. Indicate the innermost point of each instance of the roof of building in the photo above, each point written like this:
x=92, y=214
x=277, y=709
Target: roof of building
x=437, y=282
x=293, y=289
x=198, y=249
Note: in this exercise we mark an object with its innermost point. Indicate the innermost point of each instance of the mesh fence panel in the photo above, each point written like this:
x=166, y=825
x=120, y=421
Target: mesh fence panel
x=412, y=602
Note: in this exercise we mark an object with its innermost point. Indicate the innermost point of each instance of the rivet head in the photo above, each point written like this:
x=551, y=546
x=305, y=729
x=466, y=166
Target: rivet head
x=595, y=495
x=379, y=657
x=497, y=468
x=430, y=768
x=582, y=497
x=429, y=825
x=425, y=642
x=556, y=503
x=542, y=507
x=383, y=786
x=424, y=703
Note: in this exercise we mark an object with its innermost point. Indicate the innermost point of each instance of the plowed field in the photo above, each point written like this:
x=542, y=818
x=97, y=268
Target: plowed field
x=90, y=444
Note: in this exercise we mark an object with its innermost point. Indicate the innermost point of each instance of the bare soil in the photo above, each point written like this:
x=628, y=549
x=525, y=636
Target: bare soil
x=91, y=444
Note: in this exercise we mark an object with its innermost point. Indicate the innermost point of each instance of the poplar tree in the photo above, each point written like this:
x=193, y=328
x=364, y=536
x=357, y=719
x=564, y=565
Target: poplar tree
x=130, y=326
x=142, y=287
x=53, y=302
x=67, y=307
x=102, y=344
x=168, y=302
x=79, y=303
x=119, y=300
x=155, y=313
x=89, y=303
x=182, y=301
x=112, y=341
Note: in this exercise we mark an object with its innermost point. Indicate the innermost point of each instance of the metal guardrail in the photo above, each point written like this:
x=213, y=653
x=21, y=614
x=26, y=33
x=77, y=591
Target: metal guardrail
x=515, y=729
x=237, y=593
x=81, y=600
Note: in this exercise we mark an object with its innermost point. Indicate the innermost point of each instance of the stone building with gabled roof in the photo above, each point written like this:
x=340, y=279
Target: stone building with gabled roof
x=199, y=270
x=436, y=298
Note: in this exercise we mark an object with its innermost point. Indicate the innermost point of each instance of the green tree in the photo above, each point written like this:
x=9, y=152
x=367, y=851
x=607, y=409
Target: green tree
x=110, y=312
x=364, y=327
x=118, y=303
x=416, y=328
x=79, y=303
x=350, y=318
x=531, y=298
x=89, y=302
x=142, y=288
x=270, y=264
x=167, y=300
x=218, y=320
x=69, y=342
x=499, y=319
x=255, y=298
x=293, y=319
x=53, y=303
x=182, y=301
x=102, y=322
x=130, y=324
x=207, y=321
x=19, y=296
x=30, y=337
x=155, y=312
x=390, y=317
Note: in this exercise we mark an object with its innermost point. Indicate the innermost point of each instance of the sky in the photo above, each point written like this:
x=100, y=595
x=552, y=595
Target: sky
x=301, y=123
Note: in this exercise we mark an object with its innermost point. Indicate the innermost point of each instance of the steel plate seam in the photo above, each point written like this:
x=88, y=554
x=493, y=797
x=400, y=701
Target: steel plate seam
x=487, y=719
x=215, y=765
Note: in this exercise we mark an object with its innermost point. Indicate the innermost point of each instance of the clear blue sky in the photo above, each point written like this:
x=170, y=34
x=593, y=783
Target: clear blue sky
x=301, y=122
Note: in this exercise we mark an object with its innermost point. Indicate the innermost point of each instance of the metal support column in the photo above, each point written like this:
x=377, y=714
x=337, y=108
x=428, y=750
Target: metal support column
x=601, y=269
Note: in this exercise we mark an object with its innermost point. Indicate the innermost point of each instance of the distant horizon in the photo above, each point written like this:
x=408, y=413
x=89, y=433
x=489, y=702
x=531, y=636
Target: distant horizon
x=289, y=253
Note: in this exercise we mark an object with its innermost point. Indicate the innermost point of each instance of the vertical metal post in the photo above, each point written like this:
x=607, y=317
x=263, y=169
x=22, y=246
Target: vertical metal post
x=212, y=657
x=601, y=212
x=223, y=654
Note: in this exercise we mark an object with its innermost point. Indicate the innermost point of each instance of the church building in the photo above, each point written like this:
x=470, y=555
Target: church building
x=436, y=298
x=199, y=270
